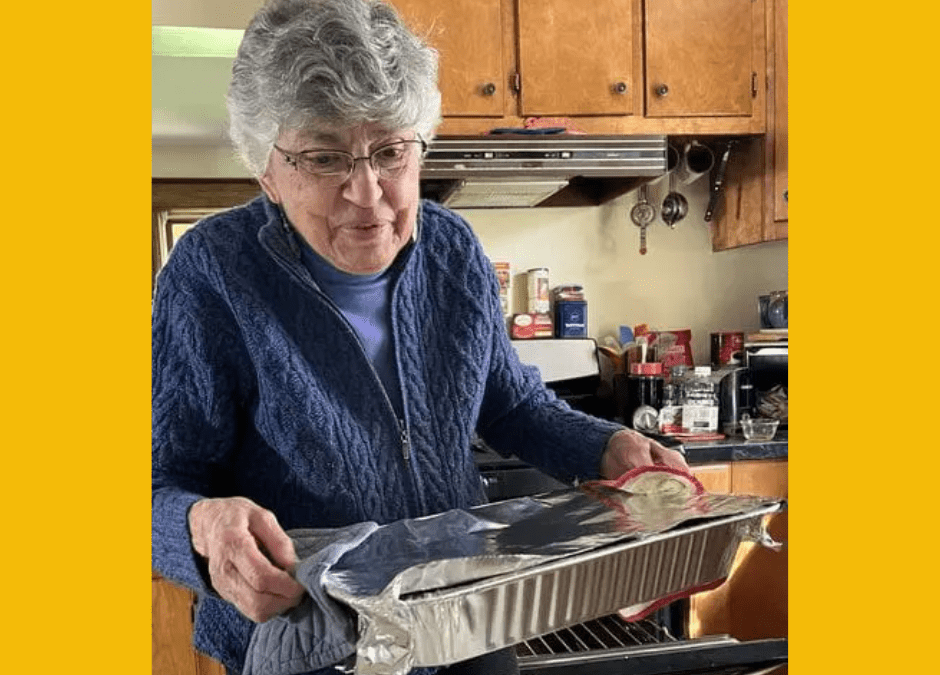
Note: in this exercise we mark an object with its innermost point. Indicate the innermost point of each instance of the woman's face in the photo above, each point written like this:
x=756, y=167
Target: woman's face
x=361, y=224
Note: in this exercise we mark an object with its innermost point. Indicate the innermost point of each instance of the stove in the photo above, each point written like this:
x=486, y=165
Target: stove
x=569, y=367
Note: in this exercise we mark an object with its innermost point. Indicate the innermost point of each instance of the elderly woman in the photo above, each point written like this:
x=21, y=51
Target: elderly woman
x=323, y=355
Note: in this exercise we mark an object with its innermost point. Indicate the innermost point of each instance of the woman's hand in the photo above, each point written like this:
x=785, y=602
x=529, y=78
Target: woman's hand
x=628, y=449
x=250, y=557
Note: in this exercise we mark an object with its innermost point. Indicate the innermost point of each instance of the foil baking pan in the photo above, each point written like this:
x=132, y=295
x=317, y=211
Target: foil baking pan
x=443, y=589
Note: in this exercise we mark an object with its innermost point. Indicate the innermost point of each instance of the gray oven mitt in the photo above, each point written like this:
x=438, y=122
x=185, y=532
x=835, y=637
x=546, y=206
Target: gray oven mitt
x=320, y=631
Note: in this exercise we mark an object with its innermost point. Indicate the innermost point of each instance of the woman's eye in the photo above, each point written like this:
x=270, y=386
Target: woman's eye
x=390, y=153
x=325, y=161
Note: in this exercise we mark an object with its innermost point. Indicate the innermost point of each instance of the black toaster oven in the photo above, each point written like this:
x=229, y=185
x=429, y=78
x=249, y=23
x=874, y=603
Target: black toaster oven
x=767, y=365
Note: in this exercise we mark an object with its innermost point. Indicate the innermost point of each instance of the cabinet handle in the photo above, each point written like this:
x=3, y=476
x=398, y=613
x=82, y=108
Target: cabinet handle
x=620, y=88
x=489, y=89
x=662, y=90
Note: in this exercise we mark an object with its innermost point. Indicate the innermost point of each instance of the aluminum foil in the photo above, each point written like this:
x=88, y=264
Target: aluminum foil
x=437, y=590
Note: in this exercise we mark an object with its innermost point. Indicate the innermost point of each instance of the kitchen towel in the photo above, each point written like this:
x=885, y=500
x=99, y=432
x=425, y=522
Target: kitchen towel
x=320, y=631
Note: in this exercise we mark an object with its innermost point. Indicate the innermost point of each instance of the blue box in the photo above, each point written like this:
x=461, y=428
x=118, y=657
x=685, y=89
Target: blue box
x=571, y=319
x=626, y=335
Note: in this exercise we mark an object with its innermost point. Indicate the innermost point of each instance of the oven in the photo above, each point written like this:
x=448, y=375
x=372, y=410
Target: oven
x=609, y=645
x=612, y=646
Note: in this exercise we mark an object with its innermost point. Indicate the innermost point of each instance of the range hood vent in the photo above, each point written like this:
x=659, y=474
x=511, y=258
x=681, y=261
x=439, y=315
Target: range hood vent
x=502, y=193
x=521, y=170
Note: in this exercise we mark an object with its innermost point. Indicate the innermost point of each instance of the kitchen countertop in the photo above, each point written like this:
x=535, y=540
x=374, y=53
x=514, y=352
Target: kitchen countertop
x=734, y=448
x=729, y=449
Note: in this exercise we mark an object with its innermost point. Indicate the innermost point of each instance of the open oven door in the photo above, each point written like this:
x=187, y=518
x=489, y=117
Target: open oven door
x=612, y=646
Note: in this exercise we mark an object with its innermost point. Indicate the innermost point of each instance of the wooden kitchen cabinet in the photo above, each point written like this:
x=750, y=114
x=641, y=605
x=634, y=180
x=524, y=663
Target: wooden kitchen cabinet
x=752, y=603
x=710, y=612
x=704, y=58
x=474, y=62
x=754, y=205
x=503, y=61
x=578, y=61
x=522, y=58
x=714, y=477
x=172, y=633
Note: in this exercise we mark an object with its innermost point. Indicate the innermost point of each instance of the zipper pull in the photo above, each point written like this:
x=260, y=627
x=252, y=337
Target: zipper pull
x=405, y=440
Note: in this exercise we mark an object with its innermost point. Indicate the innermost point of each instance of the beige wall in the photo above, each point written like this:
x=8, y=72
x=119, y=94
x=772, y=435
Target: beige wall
x=679, y=283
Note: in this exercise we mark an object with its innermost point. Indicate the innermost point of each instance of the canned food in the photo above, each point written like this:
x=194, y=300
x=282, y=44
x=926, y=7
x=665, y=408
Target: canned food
x=570, y=318
x=727, y=349
x=504, y=276
x=538, y=290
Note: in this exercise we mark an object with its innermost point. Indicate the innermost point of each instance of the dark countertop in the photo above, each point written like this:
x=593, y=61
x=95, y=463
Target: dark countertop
x=729, y=449
x=735, y=448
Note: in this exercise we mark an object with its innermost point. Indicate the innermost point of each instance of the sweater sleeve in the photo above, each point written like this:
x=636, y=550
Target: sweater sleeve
x=195, y=367
x=521, y=416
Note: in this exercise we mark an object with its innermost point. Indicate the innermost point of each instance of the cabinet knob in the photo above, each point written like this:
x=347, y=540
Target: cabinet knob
x=662, y=90
x=489, y=89
x=620, y=88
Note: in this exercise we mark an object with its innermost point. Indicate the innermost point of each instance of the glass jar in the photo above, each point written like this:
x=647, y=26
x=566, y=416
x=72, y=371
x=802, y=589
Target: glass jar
x=700, y=401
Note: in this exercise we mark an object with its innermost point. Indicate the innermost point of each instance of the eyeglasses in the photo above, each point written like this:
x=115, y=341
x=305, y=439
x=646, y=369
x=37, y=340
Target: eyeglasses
x=334, y=167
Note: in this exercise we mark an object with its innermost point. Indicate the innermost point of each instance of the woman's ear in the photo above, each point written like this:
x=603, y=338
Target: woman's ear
x=267, y=184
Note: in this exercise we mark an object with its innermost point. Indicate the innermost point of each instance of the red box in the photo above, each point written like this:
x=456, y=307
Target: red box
x=531, y=325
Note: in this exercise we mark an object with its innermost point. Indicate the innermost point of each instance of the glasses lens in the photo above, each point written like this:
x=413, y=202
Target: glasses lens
x=391, y=160
x=326, y=163
x=334, y=167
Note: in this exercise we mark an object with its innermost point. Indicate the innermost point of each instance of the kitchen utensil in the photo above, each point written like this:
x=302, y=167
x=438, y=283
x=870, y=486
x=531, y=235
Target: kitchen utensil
x=773, y=309
x=644, y=399
x=642, y=214
x=735, y=398
x=615, y=356
x=463, y=583
x=675, y=205
x=643, y=341
x=719, y=181
x=758, y=429
x=777, y=310
x=697, y=159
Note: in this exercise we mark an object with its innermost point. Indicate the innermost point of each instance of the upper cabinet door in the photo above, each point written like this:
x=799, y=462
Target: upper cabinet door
x=700, y=57
x=577, y=58
x=468, y=34
x=779, y=122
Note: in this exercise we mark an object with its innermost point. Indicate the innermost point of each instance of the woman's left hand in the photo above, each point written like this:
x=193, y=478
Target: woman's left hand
x=628, y=449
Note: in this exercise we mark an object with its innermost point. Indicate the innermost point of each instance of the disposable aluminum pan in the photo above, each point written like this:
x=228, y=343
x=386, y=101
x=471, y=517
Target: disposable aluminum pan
x=439, y=590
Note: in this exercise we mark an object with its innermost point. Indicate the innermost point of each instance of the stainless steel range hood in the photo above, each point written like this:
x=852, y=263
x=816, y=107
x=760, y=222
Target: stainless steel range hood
x=521, y=170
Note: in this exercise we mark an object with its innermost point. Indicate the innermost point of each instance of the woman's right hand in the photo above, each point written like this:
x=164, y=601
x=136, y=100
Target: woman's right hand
x=250, y=557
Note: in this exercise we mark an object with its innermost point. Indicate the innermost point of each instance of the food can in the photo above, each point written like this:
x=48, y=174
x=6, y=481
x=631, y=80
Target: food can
x=538, y=290
x=570, y=318
x=727, y=349
x=504, y=276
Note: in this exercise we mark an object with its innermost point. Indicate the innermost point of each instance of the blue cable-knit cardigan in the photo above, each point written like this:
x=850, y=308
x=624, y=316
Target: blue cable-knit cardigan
x=262, y=389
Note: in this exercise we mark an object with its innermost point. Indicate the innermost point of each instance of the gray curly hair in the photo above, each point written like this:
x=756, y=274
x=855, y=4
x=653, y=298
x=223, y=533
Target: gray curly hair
x=338, y=63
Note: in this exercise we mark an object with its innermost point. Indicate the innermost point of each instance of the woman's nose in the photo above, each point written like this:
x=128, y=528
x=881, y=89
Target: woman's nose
x=362, y=187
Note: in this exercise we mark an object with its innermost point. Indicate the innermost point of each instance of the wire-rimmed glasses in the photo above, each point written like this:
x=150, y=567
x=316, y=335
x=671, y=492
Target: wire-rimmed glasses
x=334, y=167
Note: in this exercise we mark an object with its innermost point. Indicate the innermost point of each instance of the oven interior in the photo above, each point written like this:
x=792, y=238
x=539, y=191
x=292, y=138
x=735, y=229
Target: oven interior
x=612, y=646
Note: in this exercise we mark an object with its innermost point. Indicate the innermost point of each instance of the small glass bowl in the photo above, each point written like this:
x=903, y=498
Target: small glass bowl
x=759, y=429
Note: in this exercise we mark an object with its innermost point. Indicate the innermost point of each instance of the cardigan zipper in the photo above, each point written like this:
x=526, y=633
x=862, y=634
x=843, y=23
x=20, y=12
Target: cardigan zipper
x=405, y=440
x=404, y=436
